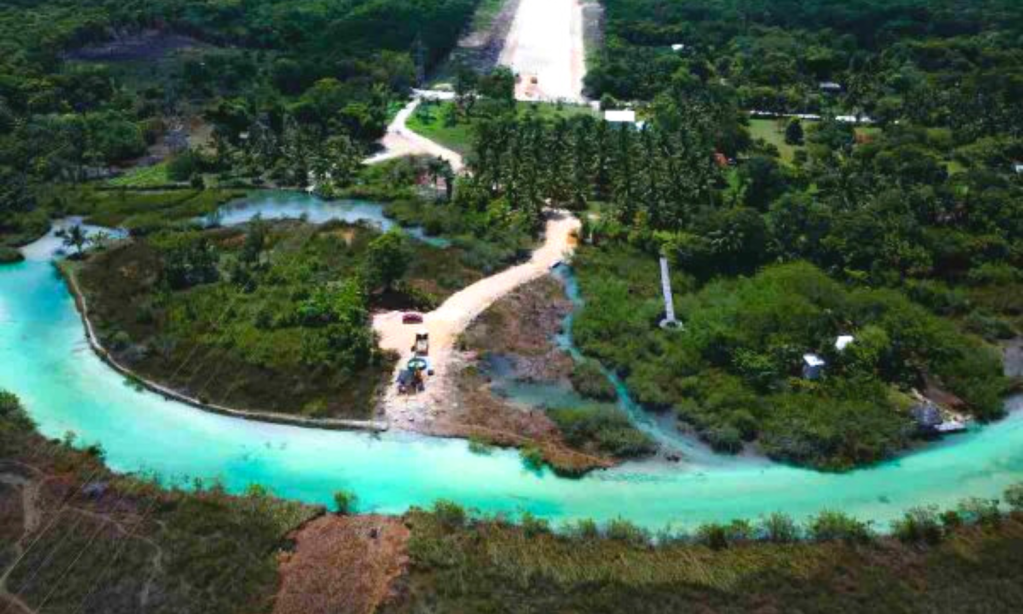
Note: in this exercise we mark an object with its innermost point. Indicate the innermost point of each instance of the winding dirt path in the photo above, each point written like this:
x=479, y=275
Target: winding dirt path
x=446, y=323
x=401, y=141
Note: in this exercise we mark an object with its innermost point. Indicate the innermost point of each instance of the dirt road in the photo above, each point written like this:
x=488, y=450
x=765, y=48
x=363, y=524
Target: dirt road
x=447, y=322
x=545, y=49
x=400, y=141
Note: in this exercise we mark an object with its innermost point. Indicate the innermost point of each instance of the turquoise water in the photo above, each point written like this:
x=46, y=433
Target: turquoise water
x=280, y=204
x=44, y=359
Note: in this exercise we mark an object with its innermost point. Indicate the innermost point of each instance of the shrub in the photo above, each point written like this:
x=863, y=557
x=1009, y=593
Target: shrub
x=995, y=273
x=988, y=325
x=779, y=528
x=589, y=381
x=919, y=524
x=12, y=412
x=606, y=428
x=1014, y=497
x=712, y=535
x=532, y=458
x=345, y=502
x=718, y=536
x=449, y=514
x=950, y=519
x=622, y=530
x=837, y=526
x=10, y=255
x=480, y=446
x=120, y=340
x=533, y=526
x=583, y=530
x=976, y=510
x=725, y=439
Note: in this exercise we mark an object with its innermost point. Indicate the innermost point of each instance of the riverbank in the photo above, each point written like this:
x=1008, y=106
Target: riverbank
x=70, y=522
x=68, y=273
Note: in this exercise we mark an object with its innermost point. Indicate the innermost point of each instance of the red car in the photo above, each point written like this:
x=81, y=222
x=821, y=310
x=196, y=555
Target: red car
x=412, y=318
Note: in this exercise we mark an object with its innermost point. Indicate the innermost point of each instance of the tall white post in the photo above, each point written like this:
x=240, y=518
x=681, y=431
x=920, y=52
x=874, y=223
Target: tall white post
x=669, y=320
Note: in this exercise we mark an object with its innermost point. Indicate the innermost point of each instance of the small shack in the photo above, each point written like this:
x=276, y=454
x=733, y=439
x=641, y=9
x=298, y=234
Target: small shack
x=830, y=87
x=813, y=366
x=843, y=341
x=623, y=116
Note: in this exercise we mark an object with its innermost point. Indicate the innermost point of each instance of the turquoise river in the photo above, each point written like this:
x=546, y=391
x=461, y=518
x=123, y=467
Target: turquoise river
x=45, y=359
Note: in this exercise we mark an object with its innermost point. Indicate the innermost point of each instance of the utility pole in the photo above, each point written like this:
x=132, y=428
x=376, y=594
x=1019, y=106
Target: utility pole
x=420, y=60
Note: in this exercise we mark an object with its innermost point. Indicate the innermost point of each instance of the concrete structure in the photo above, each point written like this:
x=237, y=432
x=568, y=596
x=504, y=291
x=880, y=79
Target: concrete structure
x=623, y=116
x=669, y=322
x=813, y=366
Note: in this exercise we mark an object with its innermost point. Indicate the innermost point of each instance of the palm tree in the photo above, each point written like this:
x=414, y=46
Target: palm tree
x=77, y=238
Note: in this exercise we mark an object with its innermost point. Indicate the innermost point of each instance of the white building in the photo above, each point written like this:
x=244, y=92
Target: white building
x=813, y=366
x=623, y=116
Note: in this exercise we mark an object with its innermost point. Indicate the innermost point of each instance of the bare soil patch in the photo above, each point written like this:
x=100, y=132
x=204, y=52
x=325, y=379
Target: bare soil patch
x=342, y=564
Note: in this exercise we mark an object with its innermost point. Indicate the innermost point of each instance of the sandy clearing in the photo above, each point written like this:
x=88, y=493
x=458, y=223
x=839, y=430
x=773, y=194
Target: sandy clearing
x=446, y=323
x=400, y=141
x=546, y=45
x=342, y=564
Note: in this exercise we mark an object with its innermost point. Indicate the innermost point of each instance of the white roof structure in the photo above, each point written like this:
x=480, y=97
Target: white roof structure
x=1018, y=167
x=843, y=342
x=678, y=47
x=813, y=360
x=621, y=116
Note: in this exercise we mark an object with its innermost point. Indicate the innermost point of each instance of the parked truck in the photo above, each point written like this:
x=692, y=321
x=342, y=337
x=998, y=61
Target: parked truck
x=422, y=345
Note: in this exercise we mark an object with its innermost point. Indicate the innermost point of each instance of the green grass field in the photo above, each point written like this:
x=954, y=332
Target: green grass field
x=143, y=177
x=429, y=121
x=773, y=132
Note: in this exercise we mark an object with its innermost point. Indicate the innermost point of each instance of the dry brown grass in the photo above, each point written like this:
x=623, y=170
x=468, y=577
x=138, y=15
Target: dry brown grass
x=342, y=564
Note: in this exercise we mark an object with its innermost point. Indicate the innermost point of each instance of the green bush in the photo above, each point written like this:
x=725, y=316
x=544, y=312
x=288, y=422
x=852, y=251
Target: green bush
x=346, y=502
x=583, y=530
x=919, y=524
x=480, y=446
x=450, y=514
x=607, y=429
x=624, y=531
x=975, y=510
x=589, y=380
x=779, y=528
x=532, y=458
x=533, y=526
x=1014, y=497
x=837, y=526
x=989, y=326
x=10, y=255
x=726, y=439
x=717, y=536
